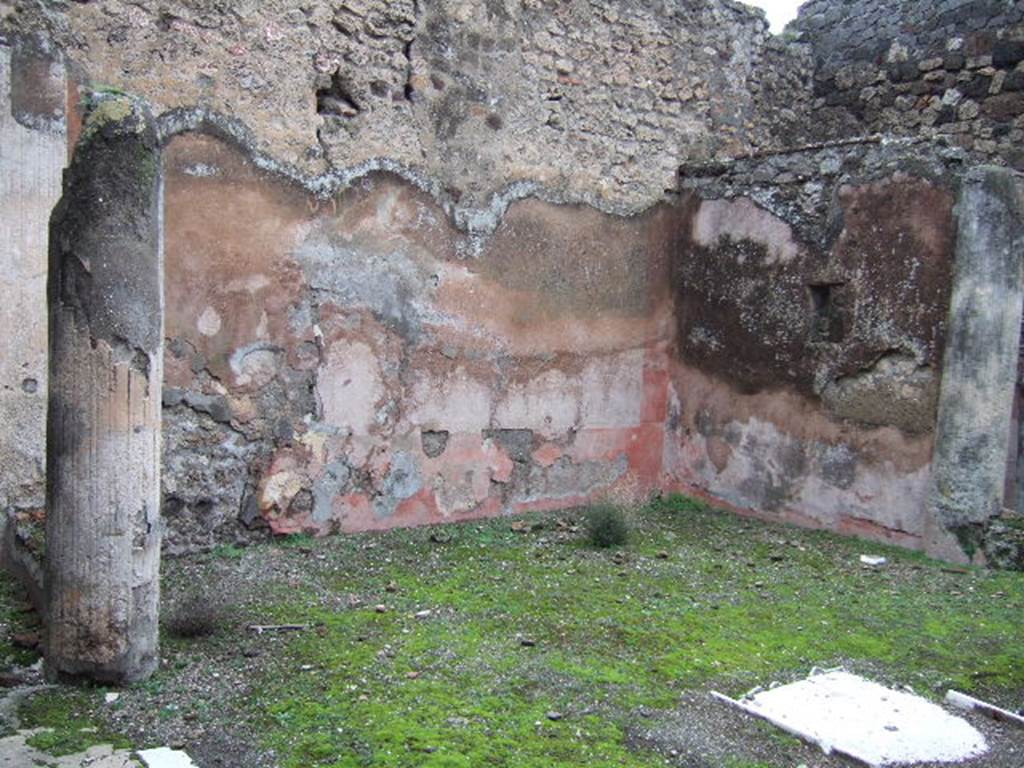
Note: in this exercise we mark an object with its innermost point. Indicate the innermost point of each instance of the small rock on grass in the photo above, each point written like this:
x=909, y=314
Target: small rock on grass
x=554, y=716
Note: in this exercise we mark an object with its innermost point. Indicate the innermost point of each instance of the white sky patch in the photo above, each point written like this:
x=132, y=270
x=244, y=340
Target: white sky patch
x=780, y=12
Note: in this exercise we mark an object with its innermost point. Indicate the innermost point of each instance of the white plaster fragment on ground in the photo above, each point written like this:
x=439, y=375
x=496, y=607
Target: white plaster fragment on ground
x=866, y=721
x=164, y=757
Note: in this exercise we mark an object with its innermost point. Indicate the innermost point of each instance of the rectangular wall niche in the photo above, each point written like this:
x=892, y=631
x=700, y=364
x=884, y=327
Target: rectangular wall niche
x=827, y=325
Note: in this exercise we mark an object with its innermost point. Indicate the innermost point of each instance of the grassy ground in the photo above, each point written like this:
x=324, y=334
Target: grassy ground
x=479, y=645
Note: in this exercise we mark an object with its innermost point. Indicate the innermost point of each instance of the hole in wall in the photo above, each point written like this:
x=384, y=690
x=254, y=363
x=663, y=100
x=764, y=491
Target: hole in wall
x=336, y=100
x=434, y=442
x=827, y=322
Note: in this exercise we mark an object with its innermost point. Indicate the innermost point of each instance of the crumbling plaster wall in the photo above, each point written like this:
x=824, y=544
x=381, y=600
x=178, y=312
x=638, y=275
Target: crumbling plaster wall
x=773, y=338
x=429, y=260
x=341, y=364
x=812, y=295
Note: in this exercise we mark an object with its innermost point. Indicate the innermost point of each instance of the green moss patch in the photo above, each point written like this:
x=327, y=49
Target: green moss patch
x=538, y=649
x=70, y=722
x=491, y=645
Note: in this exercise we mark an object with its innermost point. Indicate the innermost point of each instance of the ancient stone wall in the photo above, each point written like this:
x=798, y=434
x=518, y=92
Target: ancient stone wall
x=596, y=101
x=946, y=69
x=428, y=261
x=812, y=289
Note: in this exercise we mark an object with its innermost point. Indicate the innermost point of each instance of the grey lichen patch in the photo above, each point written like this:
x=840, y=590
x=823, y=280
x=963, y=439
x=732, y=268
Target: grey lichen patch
x=335, y=479
x=403, y=481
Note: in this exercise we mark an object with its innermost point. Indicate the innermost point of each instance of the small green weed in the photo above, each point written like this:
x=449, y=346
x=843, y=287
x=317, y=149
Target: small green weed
x=296, y=540
x=606, y=525
x=228, y=552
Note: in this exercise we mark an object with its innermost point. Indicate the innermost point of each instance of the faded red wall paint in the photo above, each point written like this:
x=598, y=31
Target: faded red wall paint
x=389, y=375
x=541, y=362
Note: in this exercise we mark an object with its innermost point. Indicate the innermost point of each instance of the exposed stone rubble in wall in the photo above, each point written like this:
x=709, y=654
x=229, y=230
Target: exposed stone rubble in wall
x=593, y=100
x=811, y=304
x=935, y=68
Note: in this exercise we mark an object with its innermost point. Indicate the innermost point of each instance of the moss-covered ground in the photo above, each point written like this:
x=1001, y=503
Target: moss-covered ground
x=480, y=645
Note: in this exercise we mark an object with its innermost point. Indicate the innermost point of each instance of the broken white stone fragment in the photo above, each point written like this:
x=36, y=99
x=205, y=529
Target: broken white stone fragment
x=165, y=757
x=865, y=721
x=963, y=701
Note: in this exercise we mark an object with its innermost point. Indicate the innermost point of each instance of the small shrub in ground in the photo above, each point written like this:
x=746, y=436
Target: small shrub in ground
x=677, y=502
x=606, y=525
x=197, y=615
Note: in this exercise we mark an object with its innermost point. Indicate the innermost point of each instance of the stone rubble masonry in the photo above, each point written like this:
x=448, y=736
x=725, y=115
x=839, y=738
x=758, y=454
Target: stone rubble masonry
x=949, y=69
x=596, y=101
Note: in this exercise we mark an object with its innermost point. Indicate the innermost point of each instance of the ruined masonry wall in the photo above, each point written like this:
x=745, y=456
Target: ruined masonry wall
x=945, y=69
x=811, y=291
x=429, y=260
x=593, y=100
